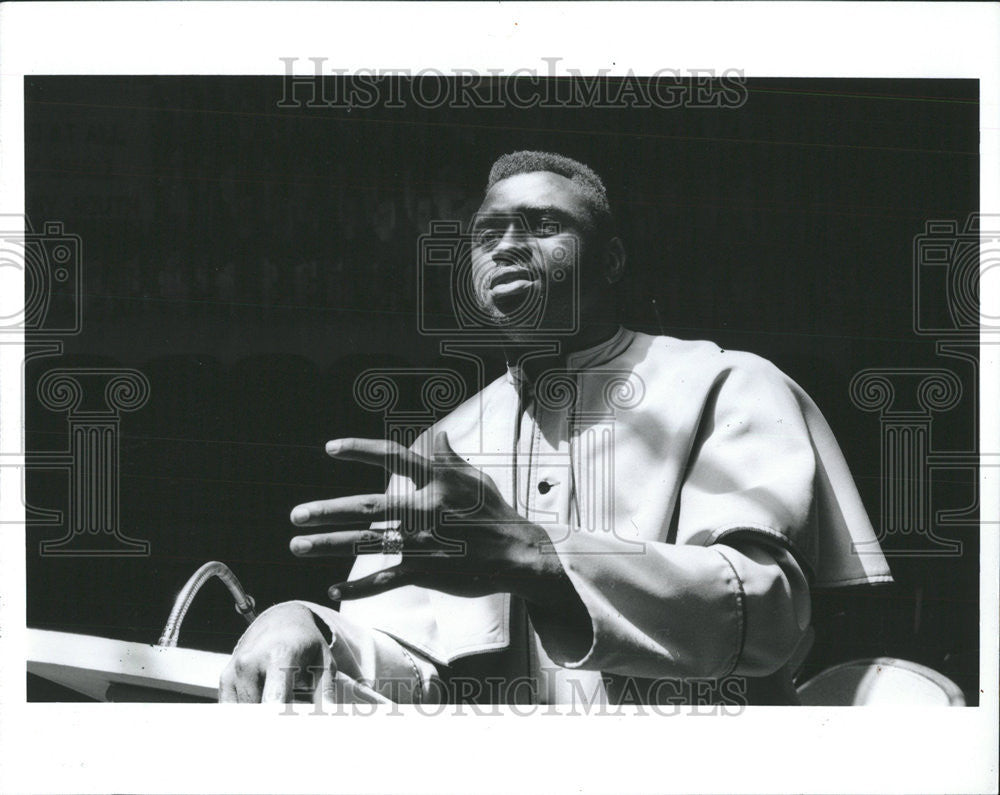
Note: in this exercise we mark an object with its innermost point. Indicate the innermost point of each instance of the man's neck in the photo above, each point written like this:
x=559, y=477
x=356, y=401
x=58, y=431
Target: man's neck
x=535, y=355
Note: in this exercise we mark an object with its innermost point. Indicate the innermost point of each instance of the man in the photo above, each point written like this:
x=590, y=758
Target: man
x=614, y=517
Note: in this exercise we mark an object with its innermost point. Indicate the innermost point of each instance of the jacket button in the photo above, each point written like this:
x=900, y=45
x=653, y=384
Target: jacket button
x=544, y=487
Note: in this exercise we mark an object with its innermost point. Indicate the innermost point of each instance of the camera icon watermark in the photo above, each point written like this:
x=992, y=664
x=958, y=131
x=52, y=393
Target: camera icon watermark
x=951, y=266
x=501, y=277
x=48, y=264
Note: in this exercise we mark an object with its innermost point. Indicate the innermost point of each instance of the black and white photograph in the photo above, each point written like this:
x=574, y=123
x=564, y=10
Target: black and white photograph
x=532, y=396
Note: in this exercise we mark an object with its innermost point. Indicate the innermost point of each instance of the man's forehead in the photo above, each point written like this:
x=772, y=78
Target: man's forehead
x=534, y=189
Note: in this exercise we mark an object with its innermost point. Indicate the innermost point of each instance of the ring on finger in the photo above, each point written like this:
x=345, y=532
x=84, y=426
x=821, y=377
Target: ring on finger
x=392, y=542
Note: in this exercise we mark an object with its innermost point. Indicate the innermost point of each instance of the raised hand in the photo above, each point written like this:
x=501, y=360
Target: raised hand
x=458, y=533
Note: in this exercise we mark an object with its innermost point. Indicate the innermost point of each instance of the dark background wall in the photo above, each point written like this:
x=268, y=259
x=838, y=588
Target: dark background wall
x=251, y=260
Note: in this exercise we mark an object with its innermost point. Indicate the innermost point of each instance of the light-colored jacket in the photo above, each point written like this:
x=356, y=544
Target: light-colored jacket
x=693, y=495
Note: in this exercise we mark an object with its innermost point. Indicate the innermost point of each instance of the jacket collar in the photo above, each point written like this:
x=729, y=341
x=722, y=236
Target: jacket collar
x=594, y=356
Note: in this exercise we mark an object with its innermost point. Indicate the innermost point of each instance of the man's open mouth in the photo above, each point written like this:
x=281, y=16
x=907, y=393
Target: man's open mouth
x=510, y=278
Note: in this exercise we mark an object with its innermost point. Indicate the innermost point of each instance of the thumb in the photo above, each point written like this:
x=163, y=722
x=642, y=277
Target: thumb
x=444, y=453
x=379, y=582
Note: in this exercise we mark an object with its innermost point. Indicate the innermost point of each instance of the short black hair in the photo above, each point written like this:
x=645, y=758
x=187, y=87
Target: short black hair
x=527, y=162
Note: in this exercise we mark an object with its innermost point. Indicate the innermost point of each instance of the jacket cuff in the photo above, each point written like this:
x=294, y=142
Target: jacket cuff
x=657, y=610
x=377, y=660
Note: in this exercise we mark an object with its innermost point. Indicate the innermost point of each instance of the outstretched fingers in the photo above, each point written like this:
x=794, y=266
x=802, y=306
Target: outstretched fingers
x=380, y=452
x=346, y=543
x=356, y=509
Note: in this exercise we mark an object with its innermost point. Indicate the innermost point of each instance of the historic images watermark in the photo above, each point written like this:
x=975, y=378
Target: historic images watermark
x=317, y=693
x=551, y=85
x=48, y=261
x=951, y=262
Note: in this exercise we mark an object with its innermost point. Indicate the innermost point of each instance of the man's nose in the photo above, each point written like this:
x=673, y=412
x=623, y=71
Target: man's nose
x=514, y=242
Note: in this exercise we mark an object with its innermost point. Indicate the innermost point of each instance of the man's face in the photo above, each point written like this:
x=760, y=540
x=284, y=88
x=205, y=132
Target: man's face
x=533, y=247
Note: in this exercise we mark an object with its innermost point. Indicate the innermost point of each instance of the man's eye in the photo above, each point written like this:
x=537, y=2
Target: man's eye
x=487, y=237
x=546, y=227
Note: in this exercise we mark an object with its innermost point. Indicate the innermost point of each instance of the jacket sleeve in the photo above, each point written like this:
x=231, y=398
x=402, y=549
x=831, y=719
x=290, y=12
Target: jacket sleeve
x=680, y=611
x=377, y=661
x=725, y=591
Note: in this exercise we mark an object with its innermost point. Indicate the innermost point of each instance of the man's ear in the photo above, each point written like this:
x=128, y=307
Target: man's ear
x=614, y=260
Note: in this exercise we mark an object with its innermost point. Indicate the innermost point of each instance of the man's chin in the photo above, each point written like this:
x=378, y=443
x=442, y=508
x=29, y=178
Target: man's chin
x=520, y=316
x=514, y=326
x=512, y=315
x=518, y=328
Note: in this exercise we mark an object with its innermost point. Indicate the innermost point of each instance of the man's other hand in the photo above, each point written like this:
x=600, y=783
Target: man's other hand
x=282, y=655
